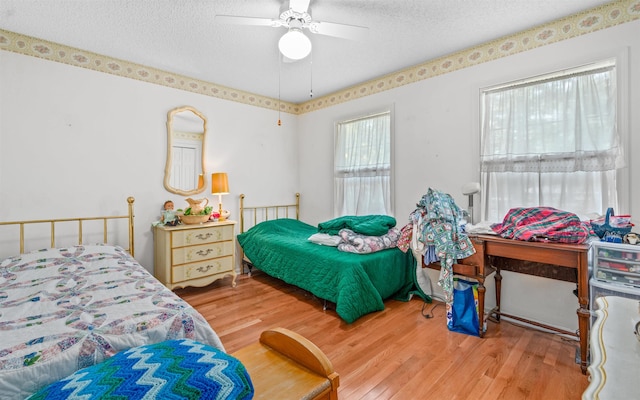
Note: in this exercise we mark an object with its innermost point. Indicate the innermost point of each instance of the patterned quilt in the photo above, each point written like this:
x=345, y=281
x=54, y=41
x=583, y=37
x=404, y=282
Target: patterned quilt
x=69, y=308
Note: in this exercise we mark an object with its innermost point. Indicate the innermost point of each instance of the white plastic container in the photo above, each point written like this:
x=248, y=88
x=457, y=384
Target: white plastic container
x=616, y=263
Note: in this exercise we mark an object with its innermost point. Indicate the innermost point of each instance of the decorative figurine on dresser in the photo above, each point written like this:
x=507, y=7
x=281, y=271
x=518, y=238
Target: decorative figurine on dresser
x=196, y=252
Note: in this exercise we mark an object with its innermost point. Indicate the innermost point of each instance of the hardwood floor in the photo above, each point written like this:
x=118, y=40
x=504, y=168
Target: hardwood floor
x=397, y=353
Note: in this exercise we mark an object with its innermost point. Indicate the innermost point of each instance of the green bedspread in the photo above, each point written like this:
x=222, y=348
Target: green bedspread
x=356, y=283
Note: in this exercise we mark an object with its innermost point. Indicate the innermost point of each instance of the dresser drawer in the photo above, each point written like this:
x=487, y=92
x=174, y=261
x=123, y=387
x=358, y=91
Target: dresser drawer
x=194, y=255
x=202, y=268
x=183, y=255
x=200, y=236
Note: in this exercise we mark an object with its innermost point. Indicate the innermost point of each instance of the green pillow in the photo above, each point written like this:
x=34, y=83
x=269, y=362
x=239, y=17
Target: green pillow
x=369, y=225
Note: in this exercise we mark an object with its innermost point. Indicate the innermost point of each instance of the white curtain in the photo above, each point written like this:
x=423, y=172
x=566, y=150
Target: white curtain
x=362, y=166
x=551, y=142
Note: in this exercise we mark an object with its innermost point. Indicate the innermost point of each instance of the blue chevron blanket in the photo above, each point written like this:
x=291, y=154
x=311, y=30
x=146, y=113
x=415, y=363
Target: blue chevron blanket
x=173, y=369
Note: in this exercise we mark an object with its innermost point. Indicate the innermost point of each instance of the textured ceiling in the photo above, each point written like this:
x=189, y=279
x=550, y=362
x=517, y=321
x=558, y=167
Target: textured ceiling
x=181, y=36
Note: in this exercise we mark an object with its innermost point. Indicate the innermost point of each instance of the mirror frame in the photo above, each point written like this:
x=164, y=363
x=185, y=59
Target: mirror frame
x=167, y=168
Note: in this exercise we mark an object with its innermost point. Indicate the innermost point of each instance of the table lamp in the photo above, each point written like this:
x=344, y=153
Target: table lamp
x=469, y=190
x=219, y=186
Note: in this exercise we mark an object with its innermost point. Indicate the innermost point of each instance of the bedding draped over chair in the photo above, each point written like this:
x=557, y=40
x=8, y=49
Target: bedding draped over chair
x=434, y=226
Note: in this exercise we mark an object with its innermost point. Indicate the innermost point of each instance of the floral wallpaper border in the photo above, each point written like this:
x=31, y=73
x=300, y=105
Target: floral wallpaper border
x=592, y=20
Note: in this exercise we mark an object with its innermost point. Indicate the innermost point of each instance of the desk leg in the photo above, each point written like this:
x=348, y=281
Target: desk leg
x=498, y=279
x=481, y=292
x=583, y=310
x=583, y=326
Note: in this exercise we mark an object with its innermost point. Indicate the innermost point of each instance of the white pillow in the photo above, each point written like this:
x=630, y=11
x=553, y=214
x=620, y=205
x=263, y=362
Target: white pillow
x=325, y=239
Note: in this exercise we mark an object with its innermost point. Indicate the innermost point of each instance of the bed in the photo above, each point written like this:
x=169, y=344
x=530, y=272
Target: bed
x=66, y=308
x=80, y=312
x=277, y=244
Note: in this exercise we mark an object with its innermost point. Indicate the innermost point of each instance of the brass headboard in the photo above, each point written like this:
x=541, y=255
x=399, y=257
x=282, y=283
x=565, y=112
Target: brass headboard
x=128, y=217
x=268, y=212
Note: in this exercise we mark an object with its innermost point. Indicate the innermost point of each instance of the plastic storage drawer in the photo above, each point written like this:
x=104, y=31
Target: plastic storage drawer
x=618, y=263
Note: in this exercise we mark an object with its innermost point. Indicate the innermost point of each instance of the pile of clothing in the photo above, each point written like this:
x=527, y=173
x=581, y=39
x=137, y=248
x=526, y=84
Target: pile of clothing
x=358, y=234
x=543, y=224
x=435, y=232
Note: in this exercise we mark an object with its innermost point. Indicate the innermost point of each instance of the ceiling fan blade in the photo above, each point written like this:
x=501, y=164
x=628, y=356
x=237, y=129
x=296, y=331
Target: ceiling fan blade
x=236, y=20
x=352, y=32
x=299, y=6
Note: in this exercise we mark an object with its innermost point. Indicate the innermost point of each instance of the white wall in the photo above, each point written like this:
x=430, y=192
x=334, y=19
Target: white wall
x=436, y=145
x=78, y=142
x=75, y=142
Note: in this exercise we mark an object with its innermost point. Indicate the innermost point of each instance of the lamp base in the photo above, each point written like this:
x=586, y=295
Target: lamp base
x=224, y=215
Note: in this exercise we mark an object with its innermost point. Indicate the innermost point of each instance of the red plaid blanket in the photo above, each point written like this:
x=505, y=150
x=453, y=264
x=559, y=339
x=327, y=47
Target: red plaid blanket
x=542, y=224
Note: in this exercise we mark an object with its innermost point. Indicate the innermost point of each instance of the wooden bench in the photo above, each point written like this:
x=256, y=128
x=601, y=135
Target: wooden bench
x=286, y=365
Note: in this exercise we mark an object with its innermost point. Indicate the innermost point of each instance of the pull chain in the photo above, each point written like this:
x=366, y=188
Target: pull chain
x=279, y=78
x=311, y=74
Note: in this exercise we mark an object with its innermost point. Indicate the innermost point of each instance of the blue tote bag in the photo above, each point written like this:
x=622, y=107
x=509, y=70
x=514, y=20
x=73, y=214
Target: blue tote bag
x=462, y=314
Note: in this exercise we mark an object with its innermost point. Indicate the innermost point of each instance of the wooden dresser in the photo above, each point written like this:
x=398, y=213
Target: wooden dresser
x=194, y=255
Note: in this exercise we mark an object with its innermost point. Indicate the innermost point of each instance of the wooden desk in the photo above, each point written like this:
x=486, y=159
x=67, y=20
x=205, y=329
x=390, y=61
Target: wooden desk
x=482, y=264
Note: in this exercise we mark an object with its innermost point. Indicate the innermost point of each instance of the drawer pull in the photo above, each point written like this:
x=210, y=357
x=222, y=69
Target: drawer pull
x=204, y=269
x=204, y=252
x=204, y=236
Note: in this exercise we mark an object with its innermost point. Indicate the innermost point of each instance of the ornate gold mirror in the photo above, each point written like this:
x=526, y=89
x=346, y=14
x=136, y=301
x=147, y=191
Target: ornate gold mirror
x=184, y=171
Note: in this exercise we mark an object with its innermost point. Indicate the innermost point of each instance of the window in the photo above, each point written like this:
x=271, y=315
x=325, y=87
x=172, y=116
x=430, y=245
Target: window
x=362, y=166
x=552, y=141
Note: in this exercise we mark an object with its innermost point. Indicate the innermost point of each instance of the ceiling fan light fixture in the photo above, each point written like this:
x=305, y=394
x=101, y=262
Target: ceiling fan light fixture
x=294, y=44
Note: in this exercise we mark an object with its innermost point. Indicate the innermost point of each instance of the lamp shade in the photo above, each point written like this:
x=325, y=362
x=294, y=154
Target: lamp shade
x=219, y=183
x=294, y=44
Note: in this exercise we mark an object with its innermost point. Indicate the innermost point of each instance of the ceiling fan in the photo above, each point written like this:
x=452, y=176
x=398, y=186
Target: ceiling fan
x=295, y=45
